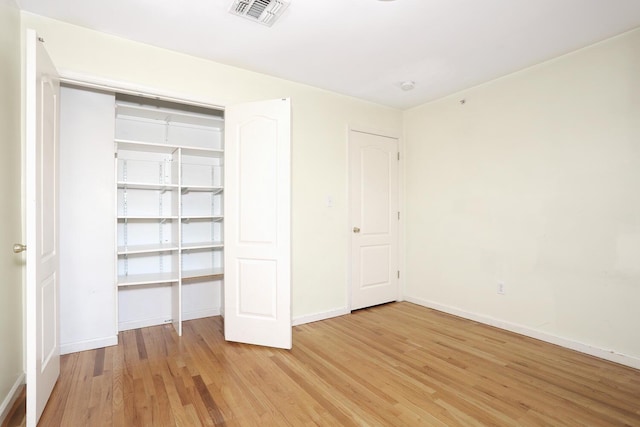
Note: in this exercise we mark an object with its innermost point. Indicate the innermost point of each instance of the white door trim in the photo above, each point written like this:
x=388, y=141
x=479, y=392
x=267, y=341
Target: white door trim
x=387, y=133
x=128, y=88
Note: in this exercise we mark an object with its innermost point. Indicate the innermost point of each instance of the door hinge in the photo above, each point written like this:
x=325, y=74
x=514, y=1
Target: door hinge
x=398, y=274
x=398, y=156
x=398, y=215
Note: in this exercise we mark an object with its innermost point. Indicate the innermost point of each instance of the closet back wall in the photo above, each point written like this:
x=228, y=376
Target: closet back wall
x=319, y=153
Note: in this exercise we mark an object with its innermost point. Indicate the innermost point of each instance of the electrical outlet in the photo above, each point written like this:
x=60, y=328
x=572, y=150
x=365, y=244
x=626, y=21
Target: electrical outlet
x=501, y=288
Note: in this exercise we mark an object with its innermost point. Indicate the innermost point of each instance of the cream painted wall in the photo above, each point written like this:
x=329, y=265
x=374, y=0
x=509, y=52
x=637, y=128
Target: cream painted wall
x=320, y=123
x=534, y=181
x=11, y=354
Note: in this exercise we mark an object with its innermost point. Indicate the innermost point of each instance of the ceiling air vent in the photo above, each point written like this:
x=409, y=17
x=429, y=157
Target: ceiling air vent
x=265, y=12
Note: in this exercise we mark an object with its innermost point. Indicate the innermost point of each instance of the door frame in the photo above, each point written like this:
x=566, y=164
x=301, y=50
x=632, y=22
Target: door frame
x=92, y=82
x=387, y=133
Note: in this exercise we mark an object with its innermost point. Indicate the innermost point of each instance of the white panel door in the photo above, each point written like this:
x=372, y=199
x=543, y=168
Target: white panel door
x=373, y=192
x=42, y=279
x=257, y=223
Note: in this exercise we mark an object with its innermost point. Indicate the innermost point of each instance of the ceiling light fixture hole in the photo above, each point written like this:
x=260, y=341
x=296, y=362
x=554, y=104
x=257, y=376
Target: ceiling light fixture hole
x=407, y=85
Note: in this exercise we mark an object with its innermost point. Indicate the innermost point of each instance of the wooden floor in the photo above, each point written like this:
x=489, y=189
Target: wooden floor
x=16, y=415
x=392, y=365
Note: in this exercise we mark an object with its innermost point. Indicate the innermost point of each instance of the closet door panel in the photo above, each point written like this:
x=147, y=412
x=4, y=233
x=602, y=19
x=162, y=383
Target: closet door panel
x=257, y=290
x=87, y=234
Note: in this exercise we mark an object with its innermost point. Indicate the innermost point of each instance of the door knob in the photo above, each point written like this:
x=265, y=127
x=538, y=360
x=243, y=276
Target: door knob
x=19, y=247
x=356, y=229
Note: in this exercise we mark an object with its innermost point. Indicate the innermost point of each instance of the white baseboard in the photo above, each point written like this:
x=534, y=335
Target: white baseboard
x=142, y=323
x=320, y=316
x=199, y=314
x=92, y=344
x=601, y=353
x=154, y=321
x=10, y=398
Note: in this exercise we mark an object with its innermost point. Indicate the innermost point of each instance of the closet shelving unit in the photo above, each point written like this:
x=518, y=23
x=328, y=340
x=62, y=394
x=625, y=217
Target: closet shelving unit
x=169, y=174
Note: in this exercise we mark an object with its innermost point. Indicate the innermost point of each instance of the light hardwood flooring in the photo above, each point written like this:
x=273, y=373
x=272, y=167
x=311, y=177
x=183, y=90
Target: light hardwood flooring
x=392, y=365
x=16, y=415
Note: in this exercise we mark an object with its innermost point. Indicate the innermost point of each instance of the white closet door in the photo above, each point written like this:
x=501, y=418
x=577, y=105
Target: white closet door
x=42, y=88
x=257, y=223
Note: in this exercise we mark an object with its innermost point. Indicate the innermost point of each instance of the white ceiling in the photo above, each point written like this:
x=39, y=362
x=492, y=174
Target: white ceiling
x=364, y=48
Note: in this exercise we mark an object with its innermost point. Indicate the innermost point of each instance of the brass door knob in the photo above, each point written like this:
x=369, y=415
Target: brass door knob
x=356, y=229
x=19, y=247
